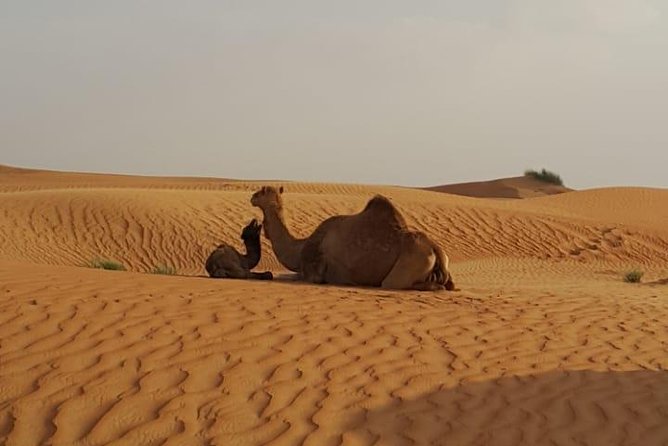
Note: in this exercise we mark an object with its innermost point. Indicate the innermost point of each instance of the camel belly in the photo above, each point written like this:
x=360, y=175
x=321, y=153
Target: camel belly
x=357, y=259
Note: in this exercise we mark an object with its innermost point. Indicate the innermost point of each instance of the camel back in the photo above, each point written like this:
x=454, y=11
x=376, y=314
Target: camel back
x=382, y=207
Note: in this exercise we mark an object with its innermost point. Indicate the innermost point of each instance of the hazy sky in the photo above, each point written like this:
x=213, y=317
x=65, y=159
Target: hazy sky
x=377, y=91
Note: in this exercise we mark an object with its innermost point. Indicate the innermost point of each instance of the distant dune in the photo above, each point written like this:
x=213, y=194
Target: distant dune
x=20, y=179
x=544, y=344
x=515, y=187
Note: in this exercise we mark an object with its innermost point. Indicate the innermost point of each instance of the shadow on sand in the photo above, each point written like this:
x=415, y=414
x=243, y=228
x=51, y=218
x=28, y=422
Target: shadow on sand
x=556, y=408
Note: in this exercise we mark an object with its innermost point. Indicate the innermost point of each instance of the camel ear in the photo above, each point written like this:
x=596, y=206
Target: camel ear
x=280, y=190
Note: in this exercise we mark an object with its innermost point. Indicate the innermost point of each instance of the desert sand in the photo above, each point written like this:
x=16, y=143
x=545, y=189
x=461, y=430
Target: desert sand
x=544, y=344
x=515, y=187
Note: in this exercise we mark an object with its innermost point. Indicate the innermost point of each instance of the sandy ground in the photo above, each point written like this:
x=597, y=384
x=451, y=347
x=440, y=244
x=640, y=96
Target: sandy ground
x=543, y=344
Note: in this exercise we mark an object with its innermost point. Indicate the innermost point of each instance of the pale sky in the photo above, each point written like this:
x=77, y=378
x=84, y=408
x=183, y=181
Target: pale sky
x=413, y=93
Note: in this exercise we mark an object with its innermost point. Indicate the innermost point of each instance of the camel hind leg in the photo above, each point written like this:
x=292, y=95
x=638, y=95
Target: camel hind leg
x=412, y=268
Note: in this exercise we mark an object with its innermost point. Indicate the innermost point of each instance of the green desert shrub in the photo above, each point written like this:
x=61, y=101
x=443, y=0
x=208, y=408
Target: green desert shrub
x=633, y=276
x=164, y=269
x=107, y=264
x=545, y=176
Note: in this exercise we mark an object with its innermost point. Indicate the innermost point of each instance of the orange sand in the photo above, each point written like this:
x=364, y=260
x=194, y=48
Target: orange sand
x=544, y=344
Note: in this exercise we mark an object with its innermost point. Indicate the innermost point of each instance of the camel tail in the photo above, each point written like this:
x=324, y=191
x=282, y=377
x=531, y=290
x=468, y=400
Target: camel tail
x=440, y=274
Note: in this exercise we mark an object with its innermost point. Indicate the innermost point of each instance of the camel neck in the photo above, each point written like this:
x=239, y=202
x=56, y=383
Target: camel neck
x=286, y=247
x=253, y=252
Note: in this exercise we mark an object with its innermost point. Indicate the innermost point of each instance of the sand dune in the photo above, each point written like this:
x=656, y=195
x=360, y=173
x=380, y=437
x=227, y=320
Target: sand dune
x=175, y=221
x=544, y=344
x=515, y=187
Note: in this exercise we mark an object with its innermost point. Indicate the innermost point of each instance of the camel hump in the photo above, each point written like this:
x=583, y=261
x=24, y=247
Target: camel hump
x=378, y=203
x=382, y=209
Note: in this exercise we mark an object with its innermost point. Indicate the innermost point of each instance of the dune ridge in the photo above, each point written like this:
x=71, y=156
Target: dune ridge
x=514, y=187
x=543, y=345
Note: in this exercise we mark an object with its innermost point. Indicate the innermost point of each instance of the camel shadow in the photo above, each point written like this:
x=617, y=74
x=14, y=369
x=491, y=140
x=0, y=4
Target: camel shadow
x=555, y=408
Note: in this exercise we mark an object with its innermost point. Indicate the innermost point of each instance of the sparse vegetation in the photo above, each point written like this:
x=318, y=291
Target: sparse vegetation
x=545, y=176
x=164, y=269
x=633, y=276
x=107, y=264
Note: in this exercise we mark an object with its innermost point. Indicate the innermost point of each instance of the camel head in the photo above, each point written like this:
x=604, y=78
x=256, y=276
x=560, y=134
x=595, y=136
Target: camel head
x=251, y=231
x=268, y=197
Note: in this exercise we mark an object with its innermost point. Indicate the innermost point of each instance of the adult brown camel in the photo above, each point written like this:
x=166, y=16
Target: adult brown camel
x=227, y=262
x=372, y=248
